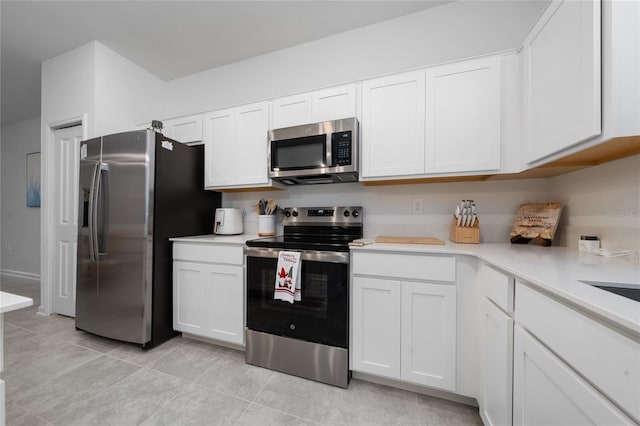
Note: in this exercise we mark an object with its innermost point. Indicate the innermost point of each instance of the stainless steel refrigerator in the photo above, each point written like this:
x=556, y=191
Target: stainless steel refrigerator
x=137, y=190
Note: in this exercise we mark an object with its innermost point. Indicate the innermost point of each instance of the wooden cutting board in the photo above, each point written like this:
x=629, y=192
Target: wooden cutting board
x=409, y=240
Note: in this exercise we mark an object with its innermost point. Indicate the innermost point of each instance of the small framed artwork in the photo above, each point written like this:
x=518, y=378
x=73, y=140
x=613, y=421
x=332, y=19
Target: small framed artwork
x=33, y=179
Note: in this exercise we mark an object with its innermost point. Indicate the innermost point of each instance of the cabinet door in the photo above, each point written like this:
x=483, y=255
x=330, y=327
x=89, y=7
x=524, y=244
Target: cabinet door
x=224, y=303
x=219, y=139
x=393, y=114
x=252, y=127
x=497, y=364
x=333, y=103
x=184, y=129
x=463, y=116
x=547, y=392
x=429, y=334
x=291, y=111
x=189, y=292
x=562, y=78
x=376, y=326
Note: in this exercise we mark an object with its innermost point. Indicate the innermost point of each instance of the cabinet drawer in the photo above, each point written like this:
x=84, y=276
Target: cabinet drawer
x=497, y=287
x=417, y=267
x=209, y=253
x=606, y=358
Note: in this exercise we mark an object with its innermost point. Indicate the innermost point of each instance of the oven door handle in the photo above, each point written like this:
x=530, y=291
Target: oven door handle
x=309, y=255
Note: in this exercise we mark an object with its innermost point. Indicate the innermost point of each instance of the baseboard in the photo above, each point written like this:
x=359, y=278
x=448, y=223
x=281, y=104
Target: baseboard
x=213, y=341
x=20, y=274
x=449, y=396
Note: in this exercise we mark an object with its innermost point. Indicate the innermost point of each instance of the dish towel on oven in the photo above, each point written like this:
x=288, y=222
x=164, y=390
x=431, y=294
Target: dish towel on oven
x=288, y=277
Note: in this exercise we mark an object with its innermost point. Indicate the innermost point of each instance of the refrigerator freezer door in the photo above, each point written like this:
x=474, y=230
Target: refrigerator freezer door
x=124, y=237
x=87, y=265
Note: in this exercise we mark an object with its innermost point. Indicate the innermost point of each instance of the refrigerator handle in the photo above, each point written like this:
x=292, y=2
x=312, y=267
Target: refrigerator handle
x=93, y=254
x=102, y=209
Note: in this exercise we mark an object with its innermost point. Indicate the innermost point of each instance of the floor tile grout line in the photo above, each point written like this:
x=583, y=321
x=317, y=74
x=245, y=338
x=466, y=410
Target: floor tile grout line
x=85, y=401
x=286, y=413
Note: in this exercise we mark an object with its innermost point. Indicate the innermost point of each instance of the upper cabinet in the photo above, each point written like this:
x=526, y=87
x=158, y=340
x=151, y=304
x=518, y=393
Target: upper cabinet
x=184, y=129
x=561, y=78
x=446, y=119
x=322, y=105
x=463, y=116
x=236, y=147
x=392, y=126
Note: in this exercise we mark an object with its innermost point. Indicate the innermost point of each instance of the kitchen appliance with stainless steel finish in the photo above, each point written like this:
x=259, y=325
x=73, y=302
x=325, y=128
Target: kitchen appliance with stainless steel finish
x=325, y=152
x=309, y=338
x=137, y=190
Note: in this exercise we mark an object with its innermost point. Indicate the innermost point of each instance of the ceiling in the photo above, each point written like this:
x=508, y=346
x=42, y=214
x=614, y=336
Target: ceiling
x=167, y=38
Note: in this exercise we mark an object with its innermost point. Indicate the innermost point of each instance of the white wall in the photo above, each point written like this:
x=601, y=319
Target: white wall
x=603, y=201
x=20, y=239
x=68, y=87
x=125, y=94
x=388, y=208
x=442, y=34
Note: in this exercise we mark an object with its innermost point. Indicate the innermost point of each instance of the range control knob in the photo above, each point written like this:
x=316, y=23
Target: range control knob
x=346, y=213
x=355, y=213
x=287, y=213
x=295, y=213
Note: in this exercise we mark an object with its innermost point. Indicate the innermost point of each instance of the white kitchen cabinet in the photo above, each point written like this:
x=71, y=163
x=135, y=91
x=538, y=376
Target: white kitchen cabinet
x=376, y=326
x=496, y=364
x=328, y=104
x=463, y=110
x=609, y=359
x=562, y=78
x=495, y=329
x=548, y=392
x=291, y=111
x=393, y=130
x=334, y=103
x=428, y=338
x=208, y=298
x=401, y=328
x=236, y=147
x=184, y=129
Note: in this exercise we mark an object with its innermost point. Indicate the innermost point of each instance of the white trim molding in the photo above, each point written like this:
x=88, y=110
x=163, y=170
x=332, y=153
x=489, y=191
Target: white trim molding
x=20, y=274
x=46, y=248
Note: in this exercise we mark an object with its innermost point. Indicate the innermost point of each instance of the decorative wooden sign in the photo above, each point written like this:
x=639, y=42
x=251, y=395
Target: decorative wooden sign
x=536, y=223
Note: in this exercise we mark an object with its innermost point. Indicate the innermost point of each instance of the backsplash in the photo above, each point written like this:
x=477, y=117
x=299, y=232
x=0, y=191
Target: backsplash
x=602, y=200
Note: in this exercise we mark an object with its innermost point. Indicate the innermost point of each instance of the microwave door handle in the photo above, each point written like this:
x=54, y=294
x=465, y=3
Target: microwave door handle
x=329, y=150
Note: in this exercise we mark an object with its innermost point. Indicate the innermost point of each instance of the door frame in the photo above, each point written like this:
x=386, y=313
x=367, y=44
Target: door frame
x=46, y=211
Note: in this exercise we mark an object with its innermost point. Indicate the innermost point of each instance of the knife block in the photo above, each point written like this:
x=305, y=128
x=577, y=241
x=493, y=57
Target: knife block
x=465, y=234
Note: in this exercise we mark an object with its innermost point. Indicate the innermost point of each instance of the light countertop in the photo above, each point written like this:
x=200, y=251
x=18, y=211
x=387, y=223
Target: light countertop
x=554, y=269
x=11, y=302
x=216, y=239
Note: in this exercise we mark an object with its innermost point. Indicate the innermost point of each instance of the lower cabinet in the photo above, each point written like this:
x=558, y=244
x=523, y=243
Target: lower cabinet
x=497, y=363
x=548, y=392
x=208, y=300
x=405, y=330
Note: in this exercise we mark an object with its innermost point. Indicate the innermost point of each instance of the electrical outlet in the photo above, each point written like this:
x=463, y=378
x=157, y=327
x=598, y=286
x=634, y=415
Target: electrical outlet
x=417, y=206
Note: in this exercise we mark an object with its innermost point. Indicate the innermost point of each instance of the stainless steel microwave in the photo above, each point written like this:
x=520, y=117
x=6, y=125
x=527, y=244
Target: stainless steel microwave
x=325, y=152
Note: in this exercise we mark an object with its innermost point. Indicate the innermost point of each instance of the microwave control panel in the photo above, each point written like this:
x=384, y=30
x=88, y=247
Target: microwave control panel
x=341, y=148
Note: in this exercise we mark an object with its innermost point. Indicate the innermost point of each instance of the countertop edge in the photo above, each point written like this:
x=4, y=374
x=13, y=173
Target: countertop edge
x=11, y=302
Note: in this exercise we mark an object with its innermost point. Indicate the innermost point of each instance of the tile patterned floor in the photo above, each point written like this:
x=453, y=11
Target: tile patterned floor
x=56, y=375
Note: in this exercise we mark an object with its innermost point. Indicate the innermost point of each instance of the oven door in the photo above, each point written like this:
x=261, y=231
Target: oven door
x=306, y=153
x=322, y=316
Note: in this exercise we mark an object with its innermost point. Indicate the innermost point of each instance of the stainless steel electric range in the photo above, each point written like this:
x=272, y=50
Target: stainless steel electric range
x=309, y=338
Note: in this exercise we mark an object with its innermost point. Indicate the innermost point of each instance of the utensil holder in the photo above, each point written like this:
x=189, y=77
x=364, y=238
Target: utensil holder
x=266, y=225
x=465, y=234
